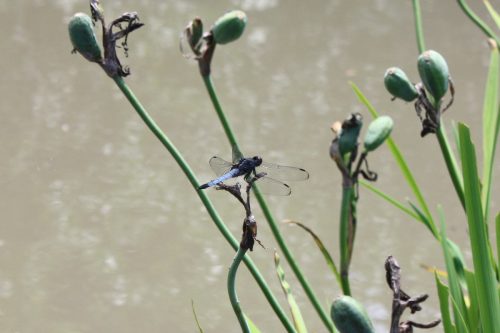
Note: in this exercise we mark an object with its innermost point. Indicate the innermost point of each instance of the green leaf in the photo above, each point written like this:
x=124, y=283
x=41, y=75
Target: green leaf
x=473, y=307
x=493, y=13
x=253, y=328
x=294, y=308
x=444, y=294
x=322, y=248
x=456, y=293
x=497, y=223
x=196, y=318
x=407, y=174
x=421, y=216
x=391, y=200
x=491, y=122
x=489, y=303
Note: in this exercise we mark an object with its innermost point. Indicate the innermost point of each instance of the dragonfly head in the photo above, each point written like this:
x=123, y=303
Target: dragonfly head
x=257, y=160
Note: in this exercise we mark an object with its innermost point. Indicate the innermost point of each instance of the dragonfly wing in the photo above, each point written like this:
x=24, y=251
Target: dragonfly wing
x=272, y=186
x=219, y=165
x=237, y=155
x=283, y=172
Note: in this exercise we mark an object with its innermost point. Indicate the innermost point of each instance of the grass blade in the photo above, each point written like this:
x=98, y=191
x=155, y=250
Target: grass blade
x=487, y=292
x=401, y=162
x=497, y=223
x=493, y=13
x=491, y=121
x=196, y=318
x=253, y=328
x=444, y=295
x=389, y=199
x=294, y=308
x=423, y=219
x=322, y=248
x=456, y=293
x=473, y=306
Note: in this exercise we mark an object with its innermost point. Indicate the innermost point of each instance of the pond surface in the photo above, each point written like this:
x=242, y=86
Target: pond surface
x=101, y=232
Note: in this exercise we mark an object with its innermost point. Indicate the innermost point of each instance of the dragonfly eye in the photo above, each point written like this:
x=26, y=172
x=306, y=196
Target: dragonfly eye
x=257, y=159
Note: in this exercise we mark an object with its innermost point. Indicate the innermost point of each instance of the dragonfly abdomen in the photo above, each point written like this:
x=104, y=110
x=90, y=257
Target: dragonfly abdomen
x=231, y=174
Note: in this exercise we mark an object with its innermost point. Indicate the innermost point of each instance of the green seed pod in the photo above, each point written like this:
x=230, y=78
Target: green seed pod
x=83, y=38
x=434, y=73
x=348, y=138
x=398, y=85
x=229, y=27
x=350, y=316
x=378, y=131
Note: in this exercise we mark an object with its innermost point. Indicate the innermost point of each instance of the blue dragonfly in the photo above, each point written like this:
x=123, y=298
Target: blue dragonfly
x=268, y=173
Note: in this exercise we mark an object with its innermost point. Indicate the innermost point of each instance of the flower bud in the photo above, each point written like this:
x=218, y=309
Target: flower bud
x=83, y=38
x=229, y=27
x=434, y=73
x=398, y=85
x=194, y=32
x=377, y=132
x=348, y=139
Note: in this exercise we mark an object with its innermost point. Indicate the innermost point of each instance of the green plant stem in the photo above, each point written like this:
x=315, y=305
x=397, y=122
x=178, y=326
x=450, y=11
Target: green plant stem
x=480, y=23
x=347, y=196
x=231, y=289
x=205, y=200
x=267, y=213
x=418, y=26
x=451, y=164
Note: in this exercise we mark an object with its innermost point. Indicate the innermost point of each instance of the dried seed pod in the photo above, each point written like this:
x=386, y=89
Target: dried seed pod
x=350, y=316
x=348, y=139
x=434, y=73
x=83, y=38
x=378, y=131
x=229, y=27
x=398, y=85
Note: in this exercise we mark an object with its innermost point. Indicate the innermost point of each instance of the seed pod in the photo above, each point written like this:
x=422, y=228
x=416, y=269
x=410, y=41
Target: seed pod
x=229, y=27
x=83, y=38
x=378, y=131
x=398, y=85
x=348, y=138
x=434, y=73
x=350, y=316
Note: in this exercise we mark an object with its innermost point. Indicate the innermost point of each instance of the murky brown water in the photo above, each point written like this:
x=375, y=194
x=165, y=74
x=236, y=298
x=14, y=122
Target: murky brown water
x=100, y=230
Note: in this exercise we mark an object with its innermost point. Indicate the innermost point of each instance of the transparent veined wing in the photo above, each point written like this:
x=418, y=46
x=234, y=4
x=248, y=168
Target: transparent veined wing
x=219, y=165
x=283, y=172
x=237, y=155
x=272, y=186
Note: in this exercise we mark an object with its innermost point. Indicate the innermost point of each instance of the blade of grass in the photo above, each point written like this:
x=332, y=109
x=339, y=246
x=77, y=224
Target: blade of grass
x=231, y=289
x=497, y=223
x=480, y=23
x=493, y=13
x=491, y=121
x=196, y=318
x=294, y=307
x=401, y=162
x=253, y=328
x=489, y=303
x=423, y=219
x=473, y=307
x=456, y=293
x=322, y=248
x=444, y=294
x=390, y=199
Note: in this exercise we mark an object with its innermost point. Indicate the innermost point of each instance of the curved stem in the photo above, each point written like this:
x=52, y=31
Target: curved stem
x=231, y=289
x=267, y=213
x=347, y=196
x=418, y=26
x=205, y=200
x=480, y=23
x=451, y=163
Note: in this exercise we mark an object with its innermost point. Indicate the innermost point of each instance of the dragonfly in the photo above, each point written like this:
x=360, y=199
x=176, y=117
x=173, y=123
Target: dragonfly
x=270, y=175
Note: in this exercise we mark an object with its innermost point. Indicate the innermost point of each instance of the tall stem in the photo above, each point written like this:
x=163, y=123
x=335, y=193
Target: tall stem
x=345, y=216
x=480, y=23
x=267, y=213
x=451, y=164
x=231, y=289
x=204, y=198
x=418, y=26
